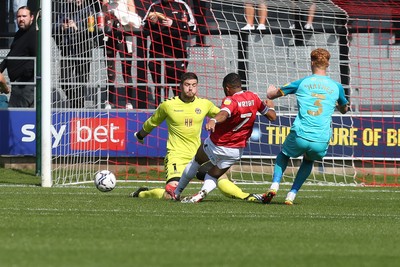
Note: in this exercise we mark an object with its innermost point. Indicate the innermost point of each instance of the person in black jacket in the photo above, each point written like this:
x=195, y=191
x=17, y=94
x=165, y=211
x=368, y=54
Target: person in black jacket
x=22, y=70
x=169, y=23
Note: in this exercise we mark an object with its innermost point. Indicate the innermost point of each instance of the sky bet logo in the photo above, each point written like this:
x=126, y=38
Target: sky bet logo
x=85, y=134
x=97, y=133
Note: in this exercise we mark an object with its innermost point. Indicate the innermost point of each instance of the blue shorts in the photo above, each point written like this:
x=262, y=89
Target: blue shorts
x=295, y=146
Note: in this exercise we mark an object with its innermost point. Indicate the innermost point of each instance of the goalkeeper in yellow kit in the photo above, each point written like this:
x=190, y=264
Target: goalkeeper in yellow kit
x=184, y=115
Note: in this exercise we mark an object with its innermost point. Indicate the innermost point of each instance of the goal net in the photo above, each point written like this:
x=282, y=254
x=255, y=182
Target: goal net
x=104, y=92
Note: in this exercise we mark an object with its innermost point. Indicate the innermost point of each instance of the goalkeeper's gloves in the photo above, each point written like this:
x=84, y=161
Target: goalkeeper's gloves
x=138, y=137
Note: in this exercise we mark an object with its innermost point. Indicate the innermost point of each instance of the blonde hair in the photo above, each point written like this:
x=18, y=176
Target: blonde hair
x=320, y=58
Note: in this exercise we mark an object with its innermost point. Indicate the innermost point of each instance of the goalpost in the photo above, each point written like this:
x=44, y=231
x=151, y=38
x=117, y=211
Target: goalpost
x=87, y=136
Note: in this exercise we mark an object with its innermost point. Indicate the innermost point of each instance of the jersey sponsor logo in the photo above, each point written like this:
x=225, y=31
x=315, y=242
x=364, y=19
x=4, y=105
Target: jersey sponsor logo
x=188, y=122
x=246, y=103
x=227, y=102
x=95, y=133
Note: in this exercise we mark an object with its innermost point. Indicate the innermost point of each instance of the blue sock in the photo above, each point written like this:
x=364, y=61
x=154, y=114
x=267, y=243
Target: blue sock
x=302, y=174
x=280, y=167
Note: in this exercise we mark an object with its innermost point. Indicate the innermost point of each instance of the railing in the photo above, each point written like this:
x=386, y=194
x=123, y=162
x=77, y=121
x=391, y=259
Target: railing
x=22, y=83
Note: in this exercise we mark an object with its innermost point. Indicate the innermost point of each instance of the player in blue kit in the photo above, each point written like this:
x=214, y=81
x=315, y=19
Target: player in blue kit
x=317, y=97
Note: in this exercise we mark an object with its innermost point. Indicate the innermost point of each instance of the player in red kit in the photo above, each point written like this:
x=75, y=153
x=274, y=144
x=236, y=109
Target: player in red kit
x=230, y=129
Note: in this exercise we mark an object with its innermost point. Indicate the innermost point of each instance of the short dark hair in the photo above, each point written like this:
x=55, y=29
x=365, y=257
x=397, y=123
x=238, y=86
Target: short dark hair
x=27, y=8
x=188, y=76
x=232, y=80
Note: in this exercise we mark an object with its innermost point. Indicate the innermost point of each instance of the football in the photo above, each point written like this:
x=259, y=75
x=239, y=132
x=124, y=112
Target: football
x=105, y=180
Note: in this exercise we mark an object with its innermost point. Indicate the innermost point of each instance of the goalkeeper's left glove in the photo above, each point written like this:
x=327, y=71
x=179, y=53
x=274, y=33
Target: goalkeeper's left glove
x=139, y=138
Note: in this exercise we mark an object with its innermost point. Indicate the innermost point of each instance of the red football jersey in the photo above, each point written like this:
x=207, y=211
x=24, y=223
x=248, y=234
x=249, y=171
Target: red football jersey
x=242, y=108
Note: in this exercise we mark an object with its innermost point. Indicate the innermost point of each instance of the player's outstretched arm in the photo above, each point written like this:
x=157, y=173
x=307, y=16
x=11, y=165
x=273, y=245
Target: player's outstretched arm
x=140, y=135
x=273, y=92
x=344, y=108
x=271, y=114
x=219, y=118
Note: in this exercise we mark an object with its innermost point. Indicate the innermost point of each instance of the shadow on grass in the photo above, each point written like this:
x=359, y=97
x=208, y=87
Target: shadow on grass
x=19, y=177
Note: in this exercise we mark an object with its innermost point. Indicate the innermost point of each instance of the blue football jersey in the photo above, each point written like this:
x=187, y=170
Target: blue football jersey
x=316, y=100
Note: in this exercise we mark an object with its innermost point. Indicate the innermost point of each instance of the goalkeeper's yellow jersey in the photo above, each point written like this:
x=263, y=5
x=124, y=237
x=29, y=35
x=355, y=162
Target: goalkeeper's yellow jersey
x=184, y=121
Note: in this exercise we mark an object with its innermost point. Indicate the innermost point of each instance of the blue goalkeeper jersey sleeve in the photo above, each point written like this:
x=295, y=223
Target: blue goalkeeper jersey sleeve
x=316, y=101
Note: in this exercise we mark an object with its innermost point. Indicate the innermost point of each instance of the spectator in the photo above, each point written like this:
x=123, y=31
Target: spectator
x=250, y=15
x=317, y=97
x=22, y=70
x=184, y=130
x=295, y=12
x=230, y=129
x=169, y=22
x=395, y=40
x=204, y=23
x=17, y=4
x=75, y=41
x=118, y=40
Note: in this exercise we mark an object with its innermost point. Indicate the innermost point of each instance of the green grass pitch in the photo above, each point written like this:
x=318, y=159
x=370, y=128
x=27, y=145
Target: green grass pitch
x=81, y=226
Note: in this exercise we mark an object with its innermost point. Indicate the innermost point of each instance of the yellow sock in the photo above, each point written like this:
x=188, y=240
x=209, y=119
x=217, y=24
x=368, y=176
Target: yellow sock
x=229, y=189
x=153, y=193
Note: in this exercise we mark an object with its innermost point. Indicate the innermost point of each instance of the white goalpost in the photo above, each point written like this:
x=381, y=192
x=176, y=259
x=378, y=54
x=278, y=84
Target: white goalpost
x=46, y=139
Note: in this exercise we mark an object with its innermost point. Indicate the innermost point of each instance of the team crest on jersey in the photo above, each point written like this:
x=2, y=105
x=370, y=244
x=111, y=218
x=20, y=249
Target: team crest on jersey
x=227, y=102
x=197, y=110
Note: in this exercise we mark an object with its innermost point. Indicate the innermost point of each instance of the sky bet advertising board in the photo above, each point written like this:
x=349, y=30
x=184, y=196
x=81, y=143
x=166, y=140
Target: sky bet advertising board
x=112, y=133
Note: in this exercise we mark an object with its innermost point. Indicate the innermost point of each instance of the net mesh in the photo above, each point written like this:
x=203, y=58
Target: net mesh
x=135, y=66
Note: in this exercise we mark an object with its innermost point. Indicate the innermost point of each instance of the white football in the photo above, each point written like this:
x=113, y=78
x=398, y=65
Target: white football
x=105, y=180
